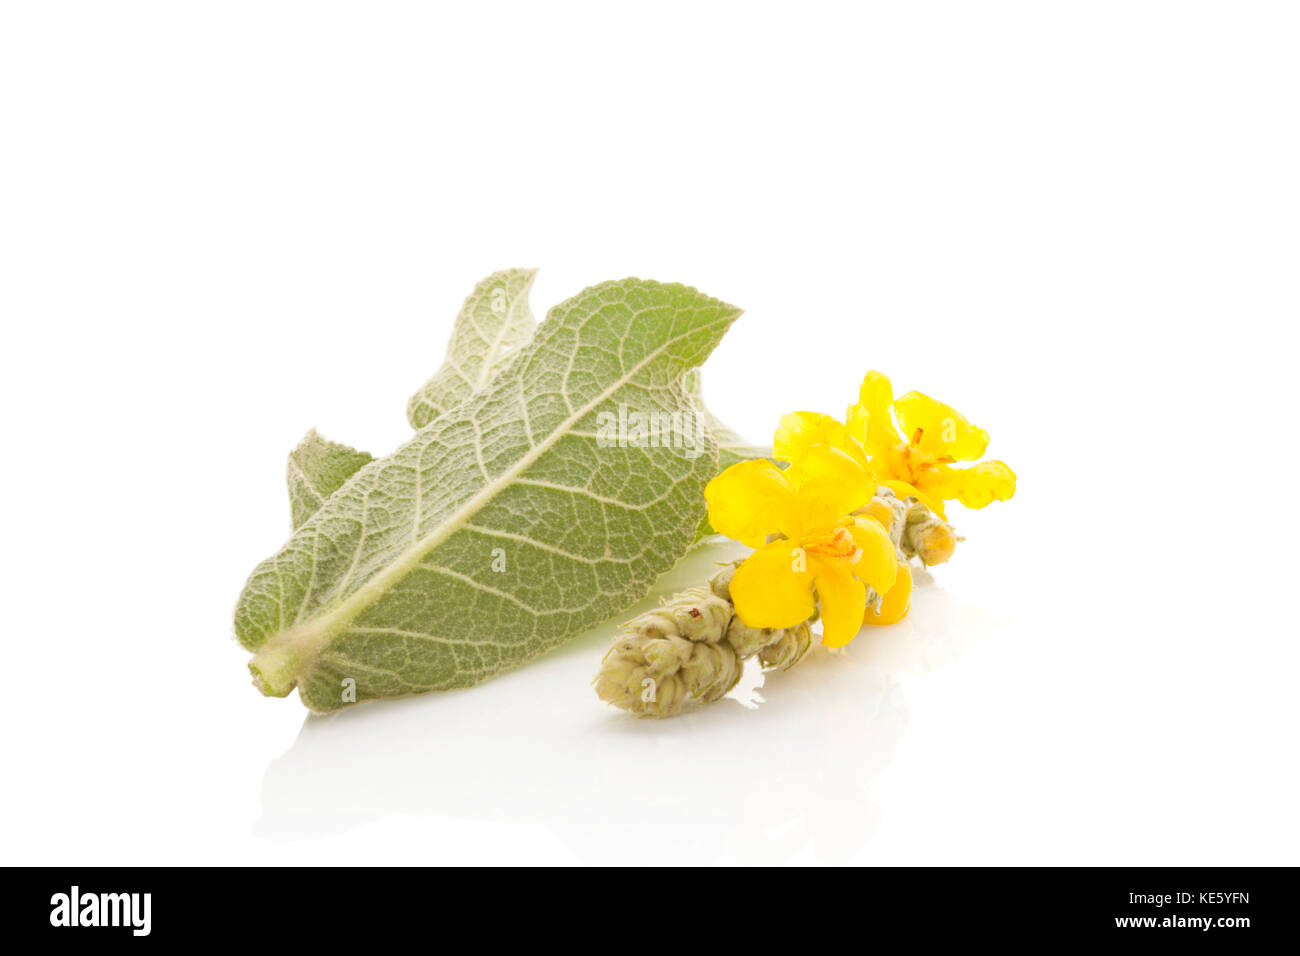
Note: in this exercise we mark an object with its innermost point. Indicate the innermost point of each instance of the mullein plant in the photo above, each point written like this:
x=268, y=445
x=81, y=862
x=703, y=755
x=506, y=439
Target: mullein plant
x=834, y=534
x=508, y=522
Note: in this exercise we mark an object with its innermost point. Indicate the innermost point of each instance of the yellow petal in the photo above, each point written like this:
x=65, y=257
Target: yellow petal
x=829, y=485
x=871, y=420
x=878, y=562
x=896, y=603
x=881, y=512
x=749, y=501
x=800, y=431
x=975, y=486
x=773, y=588
x=938, y=430
x=904, y=491
x=842, y=599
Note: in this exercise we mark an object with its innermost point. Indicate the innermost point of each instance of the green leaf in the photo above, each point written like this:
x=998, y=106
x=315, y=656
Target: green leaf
x=317, y=468
x=493, y=325
x=506, y=525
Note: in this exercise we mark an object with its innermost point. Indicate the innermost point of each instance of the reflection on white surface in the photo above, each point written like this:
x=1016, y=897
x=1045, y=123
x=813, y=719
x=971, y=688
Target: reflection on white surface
x=781, y=769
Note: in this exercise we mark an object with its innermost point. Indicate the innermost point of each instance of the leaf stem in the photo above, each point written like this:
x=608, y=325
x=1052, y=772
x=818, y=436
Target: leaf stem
x=276, y=668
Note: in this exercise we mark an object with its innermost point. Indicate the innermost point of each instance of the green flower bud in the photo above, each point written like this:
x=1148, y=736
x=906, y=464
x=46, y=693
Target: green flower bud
x=790, y=647
x=640, y=673
x=712, y=671
x=658, y=676
x=720, y=583
x=671, y=656
x=691, y=650
x=928, y=537
x=696, y=614
x=747, y=640
x=669, y=697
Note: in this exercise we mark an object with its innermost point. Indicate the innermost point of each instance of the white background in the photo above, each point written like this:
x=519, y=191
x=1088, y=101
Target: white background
x=224, y=223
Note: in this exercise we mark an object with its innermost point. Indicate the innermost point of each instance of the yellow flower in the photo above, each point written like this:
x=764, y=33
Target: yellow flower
x=919, y=461
x=799, y=431
x=920, y=464
x=821, y=548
